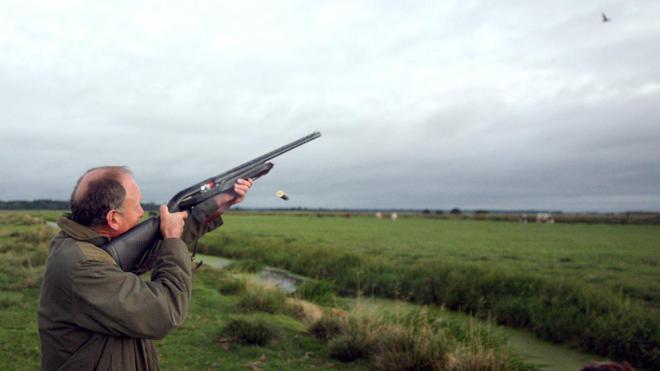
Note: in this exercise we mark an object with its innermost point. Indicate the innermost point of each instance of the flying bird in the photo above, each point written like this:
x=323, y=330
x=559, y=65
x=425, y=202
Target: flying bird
x=605, y=19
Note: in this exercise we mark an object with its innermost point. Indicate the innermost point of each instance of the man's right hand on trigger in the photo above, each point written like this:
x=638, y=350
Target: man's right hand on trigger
x=171, y=224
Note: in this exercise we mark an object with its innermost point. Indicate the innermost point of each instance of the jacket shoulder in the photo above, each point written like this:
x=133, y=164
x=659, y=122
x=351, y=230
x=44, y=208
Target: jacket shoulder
x=91, y=252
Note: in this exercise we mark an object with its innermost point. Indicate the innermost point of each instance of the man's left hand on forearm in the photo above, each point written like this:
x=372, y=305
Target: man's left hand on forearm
x=236, y=196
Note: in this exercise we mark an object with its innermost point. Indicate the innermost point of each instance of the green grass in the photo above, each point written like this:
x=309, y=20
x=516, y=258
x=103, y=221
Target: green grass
x=199, y=343
x=594, y=286
x=49, y=215
x=320, y=292
x=19, y=337
x=193, y=346
x=623, y=258
x=251, y=328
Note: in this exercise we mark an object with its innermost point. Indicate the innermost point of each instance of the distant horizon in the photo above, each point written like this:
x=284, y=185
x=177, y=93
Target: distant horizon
x=444, y=210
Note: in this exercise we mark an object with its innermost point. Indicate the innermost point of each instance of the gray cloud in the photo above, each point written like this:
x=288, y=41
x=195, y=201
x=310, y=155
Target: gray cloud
x=422, y=104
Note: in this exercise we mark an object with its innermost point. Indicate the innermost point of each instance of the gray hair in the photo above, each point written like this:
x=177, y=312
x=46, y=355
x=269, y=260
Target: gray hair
x=104, y=192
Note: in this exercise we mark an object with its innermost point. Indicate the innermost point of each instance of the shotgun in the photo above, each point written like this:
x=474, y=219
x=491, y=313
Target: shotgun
x=133, y=250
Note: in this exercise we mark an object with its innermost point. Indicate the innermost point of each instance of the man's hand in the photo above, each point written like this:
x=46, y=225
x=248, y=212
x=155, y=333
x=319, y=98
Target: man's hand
x=227, y=200
x=171, y=225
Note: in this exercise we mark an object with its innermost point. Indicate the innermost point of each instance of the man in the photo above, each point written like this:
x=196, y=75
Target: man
x=94, y=316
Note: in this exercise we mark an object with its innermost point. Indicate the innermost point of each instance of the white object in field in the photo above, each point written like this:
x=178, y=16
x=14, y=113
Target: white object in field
x=282, y=195
x=545, y=218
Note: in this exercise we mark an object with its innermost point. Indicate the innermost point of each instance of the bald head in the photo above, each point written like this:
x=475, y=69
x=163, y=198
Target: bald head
x=98, y=191
x=96, y=175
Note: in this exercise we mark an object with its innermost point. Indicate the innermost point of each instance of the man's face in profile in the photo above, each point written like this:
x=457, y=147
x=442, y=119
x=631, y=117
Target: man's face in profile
x=131, y=211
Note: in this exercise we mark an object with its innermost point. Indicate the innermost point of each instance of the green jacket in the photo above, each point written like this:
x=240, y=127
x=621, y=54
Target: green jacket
x=94, y=316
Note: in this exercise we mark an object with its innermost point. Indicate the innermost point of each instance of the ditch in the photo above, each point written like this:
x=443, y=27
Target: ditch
x=549, y=356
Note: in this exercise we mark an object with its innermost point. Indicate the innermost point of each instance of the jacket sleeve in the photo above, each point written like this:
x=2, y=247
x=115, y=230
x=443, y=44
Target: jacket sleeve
x=203, y=218
x=116, y=303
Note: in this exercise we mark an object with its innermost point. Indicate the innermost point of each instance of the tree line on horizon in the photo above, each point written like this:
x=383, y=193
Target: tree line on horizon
x=47, y=204
x=628, y=217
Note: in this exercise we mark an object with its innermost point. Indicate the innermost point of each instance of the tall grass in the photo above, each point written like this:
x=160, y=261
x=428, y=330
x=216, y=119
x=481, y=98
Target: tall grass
x=249, y=332
x=21, y=219
x=247, y=266
x=23, y=251
x=318, y=291
x=413, y=340
x=262, y=298
x=231, y=285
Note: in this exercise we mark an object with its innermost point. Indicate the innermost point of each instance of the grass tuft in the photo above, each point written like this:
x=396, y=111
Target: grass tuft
x=262, y=298
x=304, y=311
x=326, y=327
x=348, y=348
x=232, y=285
x=249, y=332
x=410, y=348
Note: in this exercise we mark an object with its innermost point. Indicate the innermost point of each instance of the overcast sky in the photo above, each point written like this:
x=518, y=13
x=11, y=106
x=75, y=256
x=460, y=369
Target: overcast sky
x=438, y=104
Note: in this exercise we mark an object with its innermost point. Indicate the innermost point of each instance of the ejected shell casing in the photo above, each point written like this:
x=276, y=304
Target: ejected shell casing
x=282, y=195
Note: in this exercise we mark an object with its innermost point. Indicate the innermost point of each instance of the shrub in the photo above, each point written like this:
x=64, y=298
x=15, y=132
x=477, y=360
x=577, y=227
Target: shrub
x=261, y=298
x=249, y=332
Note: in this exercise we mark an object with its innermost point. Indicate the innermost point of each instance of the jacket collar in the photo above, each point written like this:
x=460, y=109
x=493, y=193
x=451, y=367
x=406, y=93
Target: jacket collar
x=80, y=232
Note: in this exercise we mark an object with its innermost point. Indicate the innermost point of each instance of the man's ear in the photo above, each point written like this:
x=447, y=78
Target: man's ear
x=112, y=219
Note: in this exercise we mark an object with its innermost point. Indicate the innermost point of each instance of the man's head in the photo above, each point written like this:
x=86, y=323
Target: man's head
x=107, y=200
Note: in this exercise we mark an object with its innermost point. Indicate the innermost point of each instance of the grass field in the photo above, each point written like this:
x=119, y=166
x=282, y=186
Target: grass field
x=594, y=286
x=623, y=258
x=246, y=326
